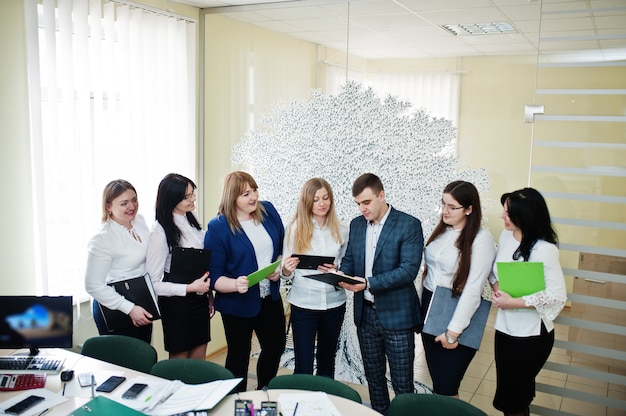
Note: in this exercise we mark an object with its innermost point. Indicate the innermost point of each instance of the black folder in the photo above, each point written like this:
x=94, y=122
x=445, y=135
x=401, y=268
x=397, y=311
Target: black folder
x=138, y=290
x=311, y=262
x=335, y=278
x=188, y=264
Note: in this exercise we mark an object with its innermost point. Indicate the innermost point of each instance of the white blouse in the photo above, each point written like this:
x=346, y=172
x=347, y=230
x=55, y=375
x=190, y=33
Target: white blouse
x=115, y=254
x=159, y=257
x=312, y=294
x=546, y=304
x=442, y=260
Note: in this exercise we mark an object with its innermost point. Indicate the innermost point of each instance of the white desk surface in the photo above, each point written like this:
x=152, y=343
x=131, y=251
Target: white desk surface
x=102, y=370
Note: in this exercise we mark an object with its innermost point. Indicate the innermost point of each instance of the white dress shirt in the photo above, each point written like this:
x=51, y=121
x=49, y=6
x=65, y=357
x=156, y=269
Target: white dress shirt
x=372, y=234
x=547, y=304
x=312, y=294
x=263, y=249
x=159, y=256
x=113, y=255
x=442, y=260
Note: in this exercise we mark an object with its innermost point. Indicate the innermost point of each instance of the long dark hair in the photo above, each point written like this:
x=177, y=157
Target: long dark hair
x=528, y=211
x=172, y=190
x=466, y=194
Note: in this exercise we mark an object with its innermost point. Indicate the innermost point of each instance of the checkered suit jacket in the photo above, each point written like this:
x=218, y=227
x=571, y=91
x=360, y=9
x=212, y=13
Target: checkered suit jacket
x=396, y=264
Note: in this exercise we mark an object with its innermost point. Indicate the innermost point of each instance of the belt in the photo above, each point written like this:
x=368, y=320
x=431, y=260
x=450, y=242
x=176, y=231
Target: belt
x=369, y=303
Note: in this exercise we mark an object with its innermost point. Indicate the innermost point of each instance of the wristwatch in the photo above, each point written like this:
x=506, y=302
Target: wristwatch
x=450, y=339
x=367, y=283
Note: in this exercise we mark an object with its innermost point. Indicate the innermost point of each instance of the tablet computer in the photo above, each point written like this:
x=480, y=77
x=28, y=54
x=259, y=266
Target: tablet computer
x=312, y=262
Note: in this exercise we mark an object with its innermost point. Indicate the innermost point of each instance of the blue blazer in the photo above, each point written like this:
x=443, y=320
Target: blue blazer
x=232, y=255
x=397, y=262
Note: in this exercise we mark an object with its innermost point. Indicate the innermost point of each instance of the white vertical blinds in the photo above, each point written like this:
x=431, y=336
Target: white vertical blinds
x=117, y=100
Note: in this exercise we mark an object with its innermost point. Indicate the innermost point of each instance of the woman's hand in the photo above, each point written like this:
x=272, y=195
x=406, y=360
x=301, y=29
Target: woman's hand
x=289, y=265
x=140, y=316
x=241, y=284
x=443, y=339
x=200, y=285
x=211, y=306
x=503, y=300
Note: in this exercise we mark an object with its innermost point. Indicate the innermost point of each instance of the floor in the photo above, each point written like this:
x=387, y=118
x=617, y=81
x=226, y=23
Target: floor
x=479, y=383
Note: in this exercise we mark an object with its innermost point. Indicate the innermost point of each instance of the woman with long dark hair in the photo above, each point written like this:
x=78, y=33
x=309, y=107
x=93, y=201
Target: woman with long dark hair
x=459, y=255
x=185, y=308
x=524, y=328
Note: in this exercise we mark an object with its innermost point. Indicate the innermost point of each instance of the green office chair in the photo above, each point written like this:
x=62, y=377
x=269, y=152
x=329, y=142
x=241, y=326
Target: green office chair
x=409, y=404
x=314, y=383
x=190, y=371
x=126, y=351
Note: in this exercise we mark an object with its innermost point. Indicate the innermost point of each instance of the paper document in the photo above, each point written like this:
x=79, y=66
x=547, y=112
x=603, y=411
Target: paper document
x=256, y=277
x=520, y=278
x=309, y=404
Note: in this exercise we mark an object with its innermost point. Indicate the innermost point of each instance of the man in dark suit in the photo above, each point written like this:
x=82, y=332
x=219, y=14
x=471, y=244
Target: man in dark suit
x=385, y=247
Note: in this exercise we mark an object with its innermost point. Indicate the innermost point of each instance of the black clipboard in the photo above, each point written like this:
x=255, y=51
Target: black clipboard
x=138, y=290
x=335, y=278
x=188, y=264
x=311, y=262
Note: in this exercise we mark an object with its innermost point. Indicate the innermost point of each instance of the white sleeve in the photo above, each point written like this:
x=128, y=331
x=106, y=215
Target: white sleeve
x=157, y=254
x=550, y=301
x=99, y=260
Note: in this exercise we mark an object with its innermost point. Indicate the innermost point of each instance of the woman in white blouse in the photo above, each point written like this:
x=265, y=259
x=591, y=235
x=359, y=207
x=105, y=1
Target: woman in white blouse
x=317, y=308
x=185, y=308
x=459, y=255
x=524, y=329
x=118, y=252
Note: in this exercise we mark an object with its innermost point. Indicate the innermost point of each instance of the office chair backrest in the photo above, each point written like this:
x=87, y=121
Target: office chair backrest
x=409, y=404
x=125, y=351
x=314, y=383
x=190, y=371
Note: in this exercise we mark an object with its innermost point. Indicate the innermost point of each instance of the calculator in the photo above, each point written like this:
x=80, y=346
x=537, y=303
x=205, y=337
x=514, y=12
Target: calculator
x=13, y=382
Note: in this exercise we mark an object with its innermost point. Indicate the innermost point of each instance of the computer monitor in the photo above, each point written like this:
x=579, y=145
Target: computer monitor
x=36, y=322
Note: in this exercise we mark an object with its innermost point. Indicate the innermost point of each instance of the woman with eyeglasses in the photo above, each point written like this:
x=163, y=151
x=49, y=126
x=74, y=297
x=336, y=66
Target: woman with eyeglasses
x=247, y=235
x=118, y=252
x=459, y=255
x=524, y=325
x=186, y=309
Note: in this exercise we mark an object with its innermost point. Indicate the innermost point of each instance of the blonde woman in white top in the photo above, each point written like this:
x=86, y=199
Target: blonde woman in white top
x=118, y=252
x=459, y=255
x=317, y=308
x=524, y=328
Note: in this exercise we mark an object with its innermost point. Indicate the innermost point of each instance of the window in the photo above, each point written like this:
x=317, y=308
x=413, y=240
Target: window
x=112, y=96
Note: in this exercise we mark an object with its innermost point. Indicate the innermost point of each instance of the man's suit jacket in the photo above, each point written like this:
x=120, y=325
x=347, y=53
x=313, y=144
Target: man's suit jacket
x=397, y=261
x=232, y=255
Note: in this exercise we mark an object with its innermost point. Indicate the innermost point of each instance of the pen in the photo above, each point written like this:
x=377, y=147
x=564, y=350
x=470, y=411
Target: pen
x=63, y=392
x=93, y=382
x=295, y=409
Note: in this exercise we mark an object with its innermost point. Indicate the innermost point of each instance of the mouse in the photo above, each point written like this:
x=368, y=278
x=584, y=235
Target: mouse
x=67, y=375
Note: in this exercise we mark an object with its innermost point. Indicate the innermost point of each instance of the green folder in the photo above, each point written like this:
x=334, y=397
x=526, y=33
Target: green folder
x=101, y=406
x=256, y=277
x=521, y=278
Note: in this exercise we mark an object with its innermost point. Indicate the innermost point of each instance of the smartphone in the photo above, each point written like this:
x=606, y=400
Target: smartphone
x=134, y=391
x=85, y=379
x=20, y=407
x=269, y=409
x=242, y=407
x=110, y=384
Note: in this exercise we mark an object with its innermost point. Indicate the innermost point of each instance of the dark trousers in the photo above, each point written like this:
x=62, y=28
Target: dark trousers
x=307, y=324
x=144, y=333
x=398, y=346
x=269, y=326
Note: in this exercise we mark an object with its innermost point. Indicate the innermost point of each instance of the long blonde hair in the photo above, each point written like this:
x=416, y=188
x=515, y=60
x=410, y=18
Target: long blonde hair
x=235, y=184
x=303, y=220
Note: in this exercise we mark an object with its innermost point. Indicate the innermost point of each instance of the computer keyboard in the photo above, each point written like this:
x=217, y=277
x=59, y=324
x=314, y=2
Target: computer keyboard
x=31, y=364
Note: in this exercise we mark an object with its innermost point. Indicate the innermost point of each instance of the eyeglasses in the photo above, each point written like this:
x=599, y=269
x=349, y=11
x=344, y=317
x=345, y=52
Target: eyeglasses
x=190, y=196
x=448, y=207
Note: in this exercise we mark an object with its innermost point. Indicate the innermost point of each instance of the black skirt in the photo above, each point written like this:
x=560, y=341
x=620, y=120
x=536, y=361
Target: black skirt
x=518, y=361
x=186, y=322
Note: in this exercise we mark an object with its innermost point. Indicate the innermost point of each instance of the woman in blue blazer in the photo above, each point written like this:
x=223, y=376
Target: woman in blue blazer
x=247, y=235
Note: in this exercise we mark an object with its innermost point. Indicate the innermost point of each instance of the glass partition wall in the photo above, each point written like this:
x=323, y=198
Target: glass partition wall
x=578, y=162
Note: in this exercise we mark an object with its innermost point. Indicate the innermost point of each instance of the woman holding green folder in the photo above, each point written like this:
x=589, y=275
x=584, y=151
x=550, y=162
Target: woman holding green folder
x=247, y=235
x=524, y=328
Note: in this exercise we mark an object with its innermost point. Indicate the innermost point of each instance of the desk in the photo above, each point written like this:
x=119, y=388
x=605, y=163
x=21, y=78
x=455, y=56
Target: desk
x=346, y=407
x=80, y=364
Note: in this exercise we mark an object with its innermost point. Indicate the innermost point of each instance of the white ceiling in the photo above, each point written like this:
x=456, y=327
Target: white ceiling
x=571, y=30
